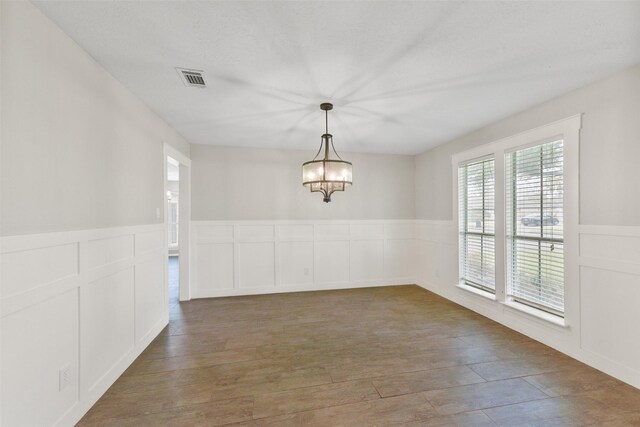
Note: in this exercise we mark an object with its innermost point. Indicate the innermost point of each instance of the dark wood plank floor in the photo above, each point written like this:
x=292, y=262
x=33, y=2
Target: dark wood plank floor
x=363, y=357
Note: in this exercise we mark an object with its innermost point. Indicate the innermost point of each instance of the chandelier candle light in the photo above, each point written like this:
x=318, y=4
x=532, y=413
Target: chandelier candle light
x=330, y=173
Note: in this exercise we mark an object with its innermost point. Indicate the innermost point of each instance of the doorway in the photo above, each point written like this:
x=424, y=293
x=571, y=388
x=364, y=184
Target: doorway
x=173, y=232
x=177, y=192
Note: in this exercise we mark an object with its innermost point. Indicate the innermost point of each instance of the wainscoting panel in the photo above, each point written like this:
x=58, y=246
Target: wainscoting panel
x=215, y=233
x=106, y=332
x=290, y=232
x=296, y=261
x=367, y=260
x=88, y=301
x=213, y=263
x=150, y=294
x=256, y=264
x=43, y=338
x=254, y=233
x=101, y=252
x=332, y=262
x=254, y=257
x=26, y=270
x=610, y=301
x=399, y=259
x=603, y=335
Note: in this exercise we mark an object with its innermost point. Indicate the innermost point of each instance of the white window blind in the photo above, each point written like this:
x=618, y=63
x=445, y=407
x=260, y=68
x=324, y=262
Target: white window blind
x=534, y=226
x=476, y=190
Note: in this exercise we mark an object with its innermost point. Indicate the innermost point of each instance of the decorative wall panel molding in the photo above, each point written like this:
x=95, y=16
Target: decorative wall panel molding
x=257, y=257
x=90, y=301
x=93, y=300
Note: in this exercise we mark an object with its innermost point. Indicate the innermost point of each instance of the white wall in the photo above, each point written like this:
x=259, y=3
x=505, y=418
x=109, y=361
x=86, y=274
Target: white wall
x=79, y=150
x=264, y=184
x=82, y=250
x=605, y=334
x=609, y=147
x=256, y=229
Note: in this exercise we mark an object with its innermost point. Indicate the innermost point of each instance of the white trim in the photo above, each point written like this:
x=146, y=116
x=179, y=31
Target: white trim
x=568, y=125
x=474, y=160
x=531, y=311
x=476, y=291
x=611, y=230
x=326, y=286
x=305, y=221
x=171, y=151
x=611, y=265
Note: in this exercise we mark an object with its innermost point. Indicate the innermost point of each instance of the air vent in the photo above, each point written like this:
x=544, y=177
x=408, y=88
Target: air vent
x=193, y=78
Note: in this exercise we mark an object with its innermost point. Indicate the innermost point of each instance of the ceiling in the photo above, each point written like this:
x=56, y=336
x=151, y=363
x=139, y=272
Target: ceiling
x=403, y=76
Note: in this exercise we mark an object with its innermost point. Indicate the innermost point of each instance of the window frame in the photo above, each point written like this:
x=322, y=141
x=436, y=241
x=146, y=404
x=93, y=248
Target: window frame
x=568, y=130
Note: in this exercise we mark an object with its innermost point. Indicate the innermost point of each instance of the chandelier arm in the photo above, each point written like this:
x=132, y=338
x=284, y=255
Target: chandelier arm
x=319, y=149
x=334, y=150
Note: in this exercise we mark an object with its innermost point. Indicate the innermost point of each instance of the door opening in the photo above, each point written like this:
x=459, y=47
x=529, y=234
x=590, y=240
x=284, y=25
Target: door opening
x=173, y=231
x=177, y=188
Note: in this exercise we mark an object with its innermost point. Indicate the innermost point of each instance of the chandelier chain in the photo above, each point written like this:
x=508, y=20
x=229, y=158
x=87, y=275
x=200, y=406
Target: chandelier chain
x=326, y=121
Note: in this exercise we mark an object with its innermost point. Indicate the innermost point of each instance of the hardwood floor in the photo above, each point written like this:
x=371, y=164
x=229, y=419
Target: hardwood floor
x=376, y=356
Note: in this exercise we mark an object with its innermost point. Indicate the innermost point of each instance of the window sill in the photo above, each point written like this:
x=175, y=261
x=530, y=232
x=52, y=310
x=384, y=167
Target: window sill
x=538, y=314
x=476, y=291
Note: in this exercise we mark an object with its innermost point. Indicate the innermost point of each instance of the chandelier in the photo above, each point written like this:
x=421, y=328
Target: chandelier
x=329, y=173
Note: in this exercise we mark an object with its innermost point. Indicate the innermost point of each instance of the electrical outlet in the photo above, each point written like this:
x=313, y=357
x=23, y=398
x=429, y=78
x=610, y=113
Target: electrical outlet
x=157, y=213
x=306, y=271
x=64, y=377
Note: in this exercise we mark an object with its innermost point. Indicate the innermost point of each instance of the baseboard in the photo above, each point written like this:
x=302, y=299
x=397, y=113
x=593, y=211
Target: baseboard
x=299, y=288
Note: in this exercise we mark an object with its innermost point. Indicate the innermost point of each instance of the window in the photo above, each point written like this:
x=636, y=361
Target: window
x=534, y=190
x=476, y=188
x=518, y=223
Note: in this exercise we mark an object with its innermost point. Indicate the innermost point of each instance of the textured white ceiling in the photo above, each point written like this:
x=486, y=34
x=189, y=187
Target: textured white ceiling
x=404, y=76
